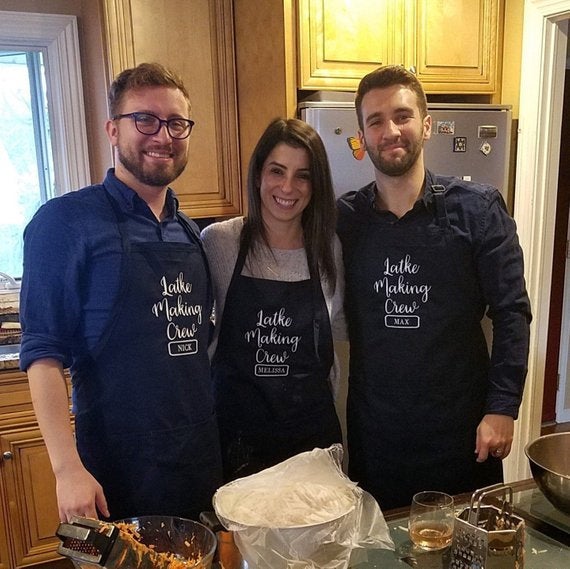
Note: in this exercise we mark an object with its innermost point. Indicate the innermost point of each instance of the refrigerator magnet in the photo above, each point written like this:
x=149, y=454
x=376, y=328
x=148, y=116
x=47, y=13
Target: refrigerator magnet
x=486, y=148
x=445, y=127
x=460, y=144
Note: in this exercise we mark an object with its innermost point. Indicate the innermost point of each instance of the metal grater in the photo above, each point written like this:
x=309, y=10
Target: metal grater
x=487, y=536
x=92, y=544
x=86, y=540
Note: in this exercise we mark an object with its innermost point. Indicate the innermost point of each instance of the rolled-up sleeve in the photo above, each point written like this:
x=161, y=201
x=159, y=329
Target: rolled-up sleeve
x=54, y=255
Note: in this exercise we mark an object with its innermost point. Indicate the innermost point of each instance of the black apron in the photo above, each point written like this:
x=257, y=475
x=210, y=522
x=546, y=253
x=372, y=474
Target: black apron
x=271, y=369
x=419, y=360
x=146, y=427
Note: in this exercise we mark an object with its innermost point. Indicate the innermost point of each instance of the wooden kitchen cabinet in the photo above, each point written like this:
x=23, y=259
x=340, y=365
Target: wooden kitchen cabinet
x=196, y=39
x=29, y=490
x=452, y=45
x=4, y=551
x=458, y=45
x=28, y=506
x=341, y=41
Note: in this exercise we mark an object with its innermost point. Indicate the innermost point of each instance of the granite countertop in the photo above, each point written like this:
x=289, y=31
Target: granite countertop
x=9, y=356
x=10, y=332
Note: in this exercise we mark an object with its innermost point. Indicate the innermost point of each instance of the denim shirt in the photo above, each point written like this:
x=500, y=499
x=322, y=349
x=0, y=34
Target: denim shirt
x=478, y=216
x=72, y=266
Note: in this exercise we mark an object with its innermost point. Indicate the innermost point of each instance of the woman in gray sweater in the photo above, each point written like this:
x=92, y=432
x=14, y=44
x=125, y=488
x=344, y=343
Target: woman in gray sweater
x=278, y=286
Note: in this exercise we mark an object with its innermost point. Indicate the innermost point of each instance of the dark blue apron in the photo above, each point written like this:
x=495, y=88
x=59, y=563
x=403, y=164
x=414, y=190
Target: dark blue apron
x=146, y=427
x=419, y=360
x=271, y=369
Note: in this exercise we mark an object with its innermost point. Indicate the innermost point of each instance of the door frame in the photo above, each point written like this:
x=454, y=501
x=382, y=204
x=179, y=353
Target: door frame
x=540, y=118
x=563, y=395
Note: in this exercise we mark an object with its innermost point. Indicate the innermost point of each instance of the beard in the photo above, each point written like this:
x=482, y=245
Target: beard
x=396, y=166
x=151, y=176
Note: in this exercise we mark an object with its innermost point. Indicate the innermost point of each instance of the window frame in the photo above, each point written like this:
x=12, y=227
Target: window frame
x=57, y=36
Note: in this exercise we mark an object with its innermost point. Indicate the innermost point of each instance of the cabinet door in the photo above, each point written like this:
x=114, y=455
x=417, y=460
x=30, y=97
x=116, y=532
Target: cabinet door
x=29, y=491
x=4, y=552
x=458, y=45
x=453, y=45
x=341, y=41
x=195, y=39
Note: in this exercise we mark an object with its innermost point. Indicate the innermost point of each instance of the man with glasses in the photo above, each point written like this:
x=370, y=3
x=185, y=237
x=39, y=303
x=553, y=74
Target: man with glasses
x=116, y=287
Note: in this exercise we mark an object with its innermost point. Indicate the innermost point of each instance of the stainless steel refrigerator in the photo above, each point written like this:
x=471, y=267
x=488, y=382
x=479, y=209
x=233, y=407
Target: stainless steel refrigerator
x=468, y=141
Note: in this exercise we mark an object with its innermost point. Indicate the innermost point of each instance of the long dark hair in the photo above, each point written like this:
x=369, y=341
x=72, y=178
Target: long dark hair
x=319, y=217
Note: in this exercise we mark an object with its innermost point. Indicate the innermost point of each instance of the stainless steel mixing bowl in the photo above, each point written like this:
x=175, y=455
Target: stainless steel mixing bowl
x=549, y=458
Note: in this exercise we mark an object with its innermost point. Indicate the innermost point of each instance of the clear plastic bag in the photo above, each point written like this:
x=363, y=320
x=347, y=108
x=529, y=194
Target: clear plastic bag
x=302, y=513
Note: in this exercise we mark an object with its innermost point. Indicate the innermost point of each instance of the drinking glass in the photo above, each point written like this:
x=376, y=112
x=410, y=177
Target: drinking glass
x=431, y=521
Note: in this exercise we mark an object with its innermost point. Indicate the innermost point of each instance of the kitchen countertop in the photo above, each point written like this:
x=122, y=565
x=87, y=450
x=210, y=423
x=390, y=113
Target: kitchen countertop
x=9, y=314
x=547, y=536
x=541, y=552
x=9, y=356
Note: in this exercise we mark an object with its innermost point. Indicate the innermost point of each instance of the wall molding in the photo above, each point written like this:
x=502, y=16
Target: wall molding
x=57, y=36
x=118, y=31
x=542, y=80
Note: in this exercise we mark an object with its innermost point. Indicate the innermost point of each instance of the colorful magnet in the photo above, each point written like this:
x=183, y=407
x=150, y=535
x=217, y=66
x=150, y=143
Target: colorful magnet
x=445, y=127
x=486, y=148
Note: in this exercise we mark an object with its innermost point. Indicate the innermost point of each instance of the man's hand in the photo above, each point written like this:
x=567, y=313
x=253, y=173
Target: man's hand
x=494, y=437
x=79, y=494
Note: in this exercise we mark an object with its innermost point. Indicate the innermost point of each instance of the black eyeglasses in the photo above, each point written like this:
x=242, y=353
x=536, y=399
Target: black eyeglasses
x=147, y=123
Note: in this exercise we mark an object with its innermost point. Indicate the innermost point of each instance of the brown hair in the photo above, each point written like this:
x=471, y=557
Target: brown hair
x=386, y=77
x=319, y=217
x=143, y=75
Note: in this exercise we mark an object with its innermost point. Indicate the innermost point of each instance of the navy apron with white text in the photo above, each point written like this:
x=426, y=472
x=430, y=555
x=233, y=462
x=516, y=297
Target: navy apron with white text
x=271, y=369
x=147, y=429
x=419, y=360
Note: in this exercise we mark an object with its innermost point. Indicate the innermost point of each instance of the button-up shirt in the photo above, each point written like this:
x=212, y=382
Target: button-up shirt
x=72, y=266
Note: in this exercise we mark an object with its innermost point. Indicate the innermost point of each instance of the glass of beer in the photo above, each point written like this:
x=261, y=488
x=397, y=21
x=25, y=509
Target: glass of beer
x=432, y=516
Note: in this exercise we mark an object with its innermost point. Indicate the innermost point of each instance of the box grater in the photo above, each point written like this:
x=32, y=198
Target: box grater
x=94, y=544
x=488, y=536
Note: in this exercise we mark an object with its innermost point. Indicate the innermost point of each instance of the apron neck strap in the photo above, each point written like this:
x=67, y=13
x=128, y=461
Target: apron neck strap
x=438, y=192
x=188, y=229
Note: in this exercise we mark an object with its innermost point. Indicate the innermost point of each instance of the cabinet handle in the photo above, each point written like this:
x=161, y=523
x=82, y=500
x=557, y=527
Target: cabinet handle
x=7, y=455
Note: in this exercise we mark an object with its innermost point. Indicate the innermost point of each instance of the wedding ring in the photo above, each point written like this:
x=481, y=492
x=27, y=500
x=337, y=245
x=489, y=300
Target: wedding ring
x=497, y=452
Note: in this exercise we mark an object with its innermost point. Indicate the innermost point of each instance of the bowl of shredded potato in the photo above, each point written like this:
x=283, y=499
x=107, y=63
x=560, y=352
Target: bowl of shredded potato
x=167, y=542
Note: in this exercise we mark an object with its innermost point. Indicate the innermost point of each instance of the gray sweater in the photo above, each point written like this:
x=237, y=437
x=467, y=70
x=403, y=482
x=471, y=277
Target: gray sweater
x=221, y=243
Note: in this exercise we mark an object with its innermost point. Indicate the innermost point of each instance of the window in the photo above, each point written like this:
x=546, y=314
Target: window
x=26, y=159
x=43, y=148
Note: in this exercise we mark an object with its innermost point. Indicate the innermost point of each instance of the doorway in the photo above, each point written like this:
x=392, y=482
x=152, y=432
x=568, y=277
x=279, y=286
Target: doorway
x=538, y=157
x=555, y=409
